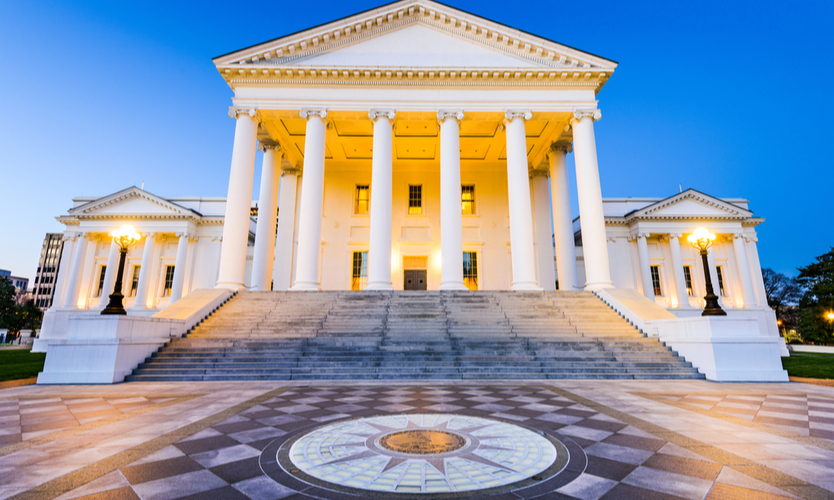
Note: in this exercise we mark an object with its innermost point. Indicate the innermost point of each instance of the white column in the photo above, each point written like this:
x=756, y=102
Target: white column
x=63, y=270
x=756, y=270
x=740, y=247
x=239, y=200
x=379, y=252
x=591, y=216
x=109, y=274
x=312, y=197
x=451, y=219
x=264, y=255
x=179, y=267
x=79, y=251
x=282, y=271
x=518, y=194
x=677, y=271
x=645, y=265
x=544, y=234
x=145, y=272
x=562, y=220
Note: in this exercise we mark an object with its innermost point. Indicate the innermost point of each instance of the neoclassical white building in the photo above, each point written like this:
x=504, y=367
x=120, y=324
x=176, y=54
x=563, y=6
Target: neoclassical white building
x=412, y=146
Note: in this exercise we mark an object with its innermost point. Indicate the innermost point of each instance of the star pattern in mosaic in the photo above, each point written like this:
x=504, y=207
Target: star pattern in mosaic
x=476, y=453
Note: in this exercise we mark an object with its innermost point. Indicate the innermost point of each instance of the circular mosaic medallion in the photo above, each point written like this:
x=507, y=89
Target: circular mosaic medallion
x=422, y=442
x=431, y=453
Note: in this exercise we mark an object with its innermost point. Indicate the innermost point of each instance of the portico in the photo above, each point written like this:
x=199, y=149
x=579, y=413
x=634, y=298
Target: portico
x=414, y=130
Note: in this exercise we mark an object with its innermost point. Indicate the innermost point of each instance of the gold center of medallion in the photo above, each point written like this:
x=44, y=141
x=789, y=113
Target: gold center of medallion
x=422, y=442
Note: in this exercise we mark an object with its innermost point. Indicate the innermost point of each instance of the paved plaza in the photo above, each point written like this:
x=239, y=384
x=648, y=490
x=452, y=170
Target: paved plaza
x=519, y=440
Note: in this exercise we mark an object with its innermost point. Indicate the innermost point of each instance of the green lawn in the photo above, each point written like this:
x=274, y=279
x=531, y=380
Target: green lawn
x=810, y=365
x=19, y=363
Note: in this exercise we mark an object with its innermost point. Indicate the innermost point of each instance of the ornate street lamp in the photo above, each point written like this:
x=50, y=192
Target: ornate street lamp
x=125, y=237
x=702, y=240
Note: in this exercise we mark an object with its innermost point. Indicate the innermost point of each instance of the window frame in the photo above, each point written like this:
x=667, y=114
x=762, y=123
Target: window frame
x=719, y=274
x=474, y=200
x=166, y=286
x=654, y=271
x=356, y=200
x=408, y=201
x=101, y=278
x=358, y=282
x=134, y=280
x=687, y=281
x=476, y=268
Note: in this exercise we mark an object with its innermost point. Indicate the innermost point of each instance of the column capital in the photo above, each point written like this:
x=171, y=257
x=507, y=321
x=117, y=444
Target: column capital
x=307, y=113
x=274, y=146
x=539, y=173
x=736, y=236
x=663, y=237
x=579, y=115
x=251, y=112
x=184, y=234
x=377, y=113
x=290, y=171
x=677, y=236
x=643, y=235
x=443, y=115
x=554, y=148
x=512, y=115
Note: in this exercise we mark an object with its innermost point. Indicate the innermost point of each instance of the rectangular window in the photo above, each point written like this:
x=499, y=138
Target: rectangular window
x=134, y=281
x=363, y=198
x=360, y=271
x=415, y=200
x=467, y=199
x=101, y=281
x=687, y=277
x=470, y=270
x=720, y=272
x=658, y=291
x=169, y=281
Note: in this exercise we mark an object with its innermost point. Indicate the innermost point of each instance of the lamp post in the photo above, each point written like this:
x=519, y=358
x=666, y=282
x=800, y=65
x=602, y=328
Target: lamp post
x=125, y=237
x=702, y=240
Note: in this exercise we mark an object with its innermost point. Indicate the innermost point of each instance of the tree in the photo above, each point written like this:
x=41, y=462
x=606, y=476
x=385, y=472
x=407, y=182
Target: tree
x=818, y=300
x=7, y=301
x=13, y=316
x=783, y=294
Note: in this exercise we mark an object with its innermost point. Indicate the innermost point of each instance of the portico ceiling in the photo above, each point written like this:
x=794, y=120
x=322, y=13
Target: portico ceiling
x=416, y=137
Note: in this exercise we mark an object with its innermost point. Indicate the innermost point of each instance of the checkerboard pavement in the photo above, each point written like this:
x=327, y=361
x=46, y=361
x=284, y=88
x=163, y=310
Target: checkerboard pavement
x=806, y=414
x=623, y=462
x=24, y=419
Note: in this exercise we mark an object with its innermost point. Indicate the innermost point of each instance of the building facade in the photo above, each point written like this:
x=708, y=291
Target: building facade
x=20, y=284
x=412, y=146
x=48, y=268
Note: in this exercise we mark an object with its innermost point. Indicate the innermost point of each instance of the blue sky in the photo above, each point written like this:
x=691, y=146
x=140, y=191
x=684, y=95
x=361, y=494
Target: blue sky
x=731, y=98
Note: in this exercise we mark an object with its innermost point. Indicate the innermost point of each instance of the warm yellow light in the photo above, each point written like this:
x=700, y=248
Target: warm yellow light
x=779, y=322
x=125, y=236
x=830, y=316
x=701, y=238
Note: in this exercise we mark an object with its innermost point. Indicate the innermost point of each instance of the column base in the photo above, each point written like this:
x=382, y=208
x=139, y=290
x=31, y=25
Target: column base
x=305, y=287
x=236, y=287
x=589, y=287
x=453, y=285
x=526, y=287
x=382, y=286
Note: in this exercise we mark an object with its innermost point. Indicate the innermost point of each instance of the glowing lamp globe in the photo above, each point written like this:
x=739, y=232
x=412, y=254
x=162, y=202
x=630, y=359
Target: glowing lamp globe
x=701, y=239
x=125, y=236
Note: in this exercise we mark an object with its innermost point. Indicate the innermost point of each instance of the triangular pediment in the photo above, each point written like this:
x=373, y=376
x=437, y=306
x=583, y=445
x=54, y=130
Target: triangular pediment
x=134, y=202
x=417, y=45
x=691, y=204
x=408, y=34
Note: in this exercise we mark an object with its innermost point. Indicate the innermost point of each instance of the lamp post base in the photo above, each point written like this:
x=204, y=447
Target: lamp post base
x=115, y=306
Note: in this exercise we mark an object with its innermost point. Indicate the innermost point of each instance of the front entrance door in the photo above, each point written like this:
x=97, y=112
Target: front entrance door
x=415, y=279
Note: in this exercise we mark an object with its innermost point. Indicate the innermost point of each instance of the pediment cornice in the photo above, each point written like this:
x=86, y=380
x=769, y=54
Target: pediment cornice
x=281, y=61
x=93, y=210
x=722, y=210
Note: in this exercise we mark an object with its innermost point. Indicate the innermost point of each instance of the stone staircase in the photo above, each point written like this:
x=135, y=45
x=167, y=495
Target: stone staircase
x=413, y=335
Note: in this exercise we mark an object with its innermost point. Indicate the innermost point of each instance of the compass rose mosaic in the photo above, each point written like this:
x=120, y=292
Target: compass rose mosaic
x=422, y=453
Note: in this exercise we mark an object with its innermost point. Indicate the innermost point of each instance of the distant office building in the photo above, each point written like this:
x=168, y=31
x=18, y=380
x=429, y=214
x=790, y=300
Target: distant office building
x=20, y=284
x=50, y=260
